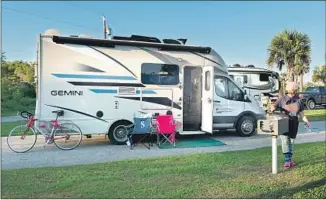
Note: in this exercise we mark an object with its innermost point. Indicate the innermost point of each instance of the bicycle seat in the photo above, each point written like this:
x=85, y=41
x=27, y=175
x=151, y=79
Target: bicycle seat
x=58, y=112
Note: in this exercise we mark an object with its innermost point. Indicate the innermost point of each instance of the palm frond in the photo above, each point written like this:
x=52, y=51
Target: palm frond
x=292, y=49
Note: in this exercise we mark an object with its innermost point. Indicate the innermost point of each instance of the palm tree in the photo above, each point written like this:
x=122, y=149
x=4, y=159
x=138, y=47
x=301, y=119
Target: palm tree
x=289, y=48
x=299, y=71
x=319, y=74
x=282, y=86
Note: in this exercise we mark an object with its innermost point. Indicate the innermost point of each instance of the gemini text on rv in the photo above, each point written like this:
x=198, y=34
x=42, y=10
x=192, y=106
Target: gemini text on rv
x=66, y=93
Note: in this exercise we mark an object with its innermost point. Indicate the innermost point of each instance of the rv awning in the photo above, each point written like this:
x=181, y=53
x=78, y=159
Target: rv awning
x=113, y=43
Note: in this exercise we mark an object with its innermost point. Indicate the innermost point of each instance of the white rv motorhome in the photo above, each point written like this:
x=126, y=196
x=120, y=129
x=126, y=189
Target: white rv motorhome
x=258, y=82
x=101, y=83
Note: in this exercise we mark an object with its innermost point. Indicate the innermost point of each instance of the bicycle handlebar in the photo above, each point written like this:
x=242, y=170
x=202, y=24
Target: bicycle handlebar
x=28, y=114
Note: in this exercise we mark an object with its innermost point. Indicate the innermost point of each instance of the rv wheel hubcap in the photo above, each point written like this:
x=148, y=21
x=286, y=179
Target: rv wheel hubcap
x=120, y=134
x=247, y=126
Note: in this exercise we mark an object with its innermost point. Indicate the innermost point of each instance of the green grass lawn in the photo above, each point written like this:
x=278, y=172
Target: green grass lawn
x=238, y=174
x=8, y=113
x=7, y=126
x=316, y=115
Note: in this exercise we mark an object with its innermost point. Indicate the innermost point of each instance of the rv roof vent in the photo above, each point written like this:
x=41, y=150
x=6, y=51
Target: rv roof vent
x=144, y=38
x=171, y=41
x=51, y=32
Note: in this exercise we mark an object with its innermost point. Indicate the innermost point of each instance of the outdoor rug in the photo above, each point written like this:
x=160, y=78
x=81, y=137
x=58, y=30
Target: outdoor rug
x=193, y=142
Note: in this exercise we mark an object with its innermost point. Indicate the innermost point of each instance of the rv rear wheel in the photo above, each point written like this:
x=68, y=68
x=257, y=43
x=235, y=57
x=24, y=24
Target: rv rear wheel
x=118, y=133
x=246, y=126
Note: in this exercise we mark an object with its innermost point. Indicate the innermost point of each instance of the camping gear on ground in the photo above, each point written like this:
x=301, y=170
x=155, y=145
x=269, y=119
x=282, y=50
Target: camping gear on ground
x=166, y=126
x=143, y=127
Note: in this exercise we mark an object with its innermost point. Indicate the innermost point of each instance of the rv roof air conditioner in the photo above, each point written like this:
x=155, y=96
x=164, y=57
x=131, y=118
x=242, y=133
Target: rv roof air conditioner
x=51, y=32
x=138, y=38
x=171, y=41
x=145, y=38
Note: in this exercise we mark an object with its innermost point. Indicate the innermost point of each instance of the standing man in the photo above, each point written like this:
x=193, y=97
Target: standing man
x=290, y=105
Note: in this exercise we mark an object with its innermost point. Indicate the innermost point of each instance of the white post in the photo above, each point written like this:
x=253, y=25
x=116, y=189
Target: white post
x=104, y=26
x=274, y=154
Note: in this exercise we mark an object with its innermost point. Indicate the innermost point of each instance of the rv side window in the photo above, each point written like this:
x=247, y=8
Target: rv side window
x=234, y=92
x=221, y=87
x=264, y=77
x=207, y=80
x=226, y=89
x=159, y=74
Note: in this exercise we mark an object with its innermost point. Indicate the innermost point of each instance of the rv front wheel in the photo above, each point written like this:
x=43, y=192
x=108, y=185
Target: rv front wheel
x=118, y=132
x=246, y=126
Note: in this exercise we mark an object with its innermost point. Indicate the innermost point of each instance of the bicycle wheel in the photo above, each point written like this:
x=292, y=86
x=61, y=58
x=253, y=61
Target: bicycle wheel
x=67, y=136
x=21, y=139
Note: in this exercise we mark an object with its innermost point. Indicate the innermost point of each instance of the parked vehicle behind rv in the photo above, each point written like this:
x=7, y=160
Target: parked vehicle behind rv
x=314, y=96
x=258, y=82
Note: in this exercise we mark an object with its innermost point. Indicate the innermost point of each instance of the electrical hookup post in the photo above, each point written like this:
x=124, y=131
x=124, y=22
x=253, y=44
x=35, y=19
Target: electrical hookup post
x=274, y=125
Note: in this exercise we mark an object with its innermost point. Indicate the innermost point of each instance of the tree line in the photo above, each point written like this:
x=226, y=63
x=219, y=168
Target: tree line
x=18, y=86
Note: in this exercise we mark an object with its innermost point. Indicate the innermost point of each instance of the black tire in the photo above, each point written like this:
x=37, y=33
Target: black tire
x=63, y=129
x=246, y=126
x=118, y=133
x=311, y=104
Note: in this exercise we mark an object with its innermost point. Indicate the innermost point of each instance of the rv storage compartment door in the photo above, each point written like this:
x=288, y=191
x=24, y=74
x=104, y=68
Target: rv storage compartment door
x=207, y=99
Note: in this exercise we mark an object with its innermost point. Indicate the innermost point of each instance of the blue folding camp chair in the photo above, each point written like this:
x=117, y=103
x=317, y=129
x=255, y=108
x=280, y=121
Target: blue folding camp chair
x=143, y=127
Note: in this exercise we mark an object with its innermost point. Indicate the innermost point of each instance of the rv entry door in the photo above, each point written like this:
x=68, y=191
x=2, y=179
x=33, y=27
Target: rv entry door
x=207, y=99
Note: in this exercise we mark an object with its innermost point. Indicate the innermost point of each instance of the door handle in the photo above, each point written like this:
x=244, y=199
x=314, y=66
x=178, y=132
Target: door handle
x=217, y=101
x=209, y=100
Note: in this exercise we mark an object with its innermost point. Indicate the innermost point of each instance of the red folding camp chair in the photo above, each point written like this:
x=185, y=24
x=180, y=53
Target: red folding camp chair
x=167, y=128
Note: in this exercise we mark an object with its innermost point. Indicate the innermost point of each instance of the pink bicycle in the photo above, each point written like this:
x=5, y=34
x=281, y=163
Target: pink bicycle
x=65, y=136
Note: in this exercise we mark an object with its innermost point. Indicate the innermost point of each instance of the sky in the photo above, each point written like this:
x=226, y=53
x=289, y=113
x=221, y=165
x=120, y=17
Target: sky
x=240, y=31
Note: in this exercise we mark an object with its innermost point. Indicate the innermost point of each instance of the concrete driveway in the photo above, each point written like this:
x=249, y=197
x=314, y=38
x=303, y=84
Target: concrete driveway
x=97, y=149
x=11, y=118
